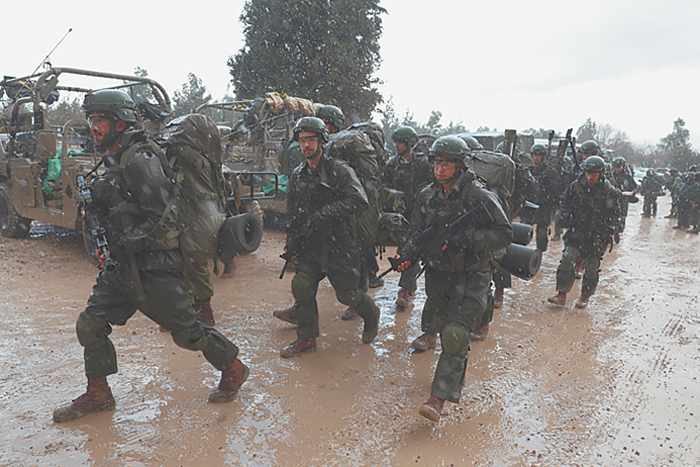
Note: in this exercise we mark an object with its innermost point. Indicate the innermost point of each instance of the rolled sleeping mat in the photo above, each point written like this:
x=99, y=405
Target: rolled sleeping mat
x=239, y=235
x=521, y=261
x=522, y=233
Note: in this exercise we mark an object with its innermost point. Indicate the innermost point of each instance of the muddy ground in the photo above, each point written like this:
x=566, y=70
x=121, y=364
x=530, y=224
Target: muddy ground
x=614, y=384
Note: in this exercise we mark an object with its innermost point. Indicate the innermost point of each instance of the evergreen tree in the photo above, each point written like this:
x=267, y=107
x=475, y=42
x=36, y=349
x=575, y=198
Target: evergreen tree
x=192, y=94
x=325, y=50
x=676, y=146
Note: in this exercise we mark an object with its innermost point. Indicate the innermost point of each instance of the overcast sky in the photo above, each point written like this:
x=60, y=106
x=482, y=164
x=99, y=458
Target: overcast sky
x=507, y=64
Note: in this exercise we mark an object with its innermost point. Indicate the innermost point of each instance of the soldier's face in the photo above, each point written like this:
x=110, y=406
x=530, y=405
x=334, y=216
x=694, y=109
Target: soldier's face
x=592, y=178
x=618, y=169
x=400, y=147
x=444, y=169
x=537, y=159
x=100, y=126
x=309, y=144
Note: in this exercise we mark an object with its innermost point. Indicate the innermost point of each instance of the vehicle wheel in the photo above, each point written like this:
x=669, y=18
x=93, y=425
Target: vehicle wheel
x=12, y=225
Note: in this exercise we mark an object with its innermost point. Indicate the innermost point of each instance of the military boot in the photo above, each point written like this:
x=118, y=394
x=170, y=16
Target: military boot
x=229, y=269
x=371, y=329
x=432, y=409
x=375, y=281
x=231, y=381
x=349, y=314
x=298, y=347
x=582, y=302
x=404, y=298
x=498, y=297
x=425, y=342
x=289, y=315
x=97, y=398
x=481, y=332
x=205, y=314
x=558, y=299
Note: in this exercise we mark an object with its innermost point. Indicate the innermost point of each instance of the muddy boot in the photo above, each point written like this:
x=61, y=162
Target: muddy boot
x=498, y=297
x=582, y=302
x=229, y=269
x=97, y=398
x=289, y=315
x=375, y=282
x=578, y=268
x=298, y=347
x=556, y=237
x=616, y=237
x=404, y=298
x=231, y=381
x=558, y=299
x=432, y=409
x=481, y=332
x=205, y=315
x=371, y=329
x=349, y=314
x=425, y=342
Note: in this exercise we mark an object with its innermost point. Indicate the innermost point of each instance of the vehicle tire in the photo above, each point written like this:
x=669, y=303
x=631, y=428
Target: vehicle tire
x=12, y=225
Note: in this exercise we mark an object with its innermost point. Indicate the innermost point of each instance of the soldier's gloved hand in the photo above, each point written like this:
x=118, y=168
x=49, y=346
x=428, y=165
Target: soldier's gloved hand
x=606, y=237
x=289, y=256
x=403, y=266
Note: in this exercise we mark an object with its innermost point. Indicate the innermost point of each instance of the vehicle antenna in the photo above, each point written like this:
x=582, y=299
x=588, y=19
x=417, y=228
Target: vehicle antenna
x=45, y=61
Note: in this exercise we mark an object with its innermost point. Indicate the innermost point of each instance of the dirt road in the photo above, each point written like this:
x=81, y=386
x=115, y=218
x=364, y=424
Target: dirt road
x=614, y=384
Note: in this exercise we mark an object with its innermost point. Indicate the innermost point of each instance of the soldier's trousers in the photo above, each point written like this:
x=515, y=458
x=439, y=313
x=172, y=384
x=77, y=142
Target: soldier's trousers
x=199, y=278
x=650, y=205
x=344, y=275
x=458, y=300
x=543, y=218
x=114, y=300
x=565, y=272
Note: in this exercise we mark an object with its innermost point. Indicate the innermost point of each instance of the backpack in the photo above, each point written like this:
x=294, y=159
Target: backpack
x=354, y=146
x=498, y=171
x=192, y=146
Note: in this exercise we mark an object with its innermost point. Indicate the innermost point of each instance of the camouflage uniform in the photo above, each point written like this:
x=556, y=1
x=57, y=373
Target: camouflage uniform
x=548, y=195
x=130, y=202
x=457, y=279
x=592, y=216
x=624, y=181
x=335, y=253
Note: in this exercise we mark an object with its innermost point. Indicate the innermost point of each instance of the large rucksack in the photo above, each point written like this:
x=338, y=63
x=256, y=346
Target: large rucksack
x=498, y=171
x=355, y=146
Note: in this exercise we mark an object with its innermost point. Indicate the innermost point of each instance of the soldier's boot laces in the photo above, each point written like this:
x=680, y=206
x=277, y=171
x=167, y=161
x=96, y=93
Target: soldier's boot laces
x=582, y=302
x=404, y=298
x=205, y=314
x=432, y=409
x=498, y=297
x=349, y=314
x=289, y=315
x=371, y=328
x=425, y=342
x=481, y=332
x=558, y=299
x=231, y=381
x=97, y=398
x=298, y=347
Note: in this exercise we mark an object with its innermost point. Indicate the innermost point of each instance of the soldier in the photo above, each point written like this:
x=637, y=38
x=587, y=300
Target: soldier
x=651, y=189
x=133, y=202
x=673, y=182
x=457, y=275
x=409, y=174
x=550, y=191
x=567, y=176
x=319, y=236
x=591, y=212
x=624, y=181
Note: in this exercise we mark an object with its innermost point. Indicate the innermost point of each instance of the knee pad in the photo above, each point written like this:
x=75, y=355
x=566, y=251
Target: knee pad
x=302, y=287
x=190, y=339
x=351, y=297
x=91, y=329
x=454, y=339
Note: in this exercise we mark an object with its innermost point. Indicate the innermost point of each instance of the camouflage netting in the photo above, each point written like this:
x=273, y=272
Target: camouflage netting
x=277, y=102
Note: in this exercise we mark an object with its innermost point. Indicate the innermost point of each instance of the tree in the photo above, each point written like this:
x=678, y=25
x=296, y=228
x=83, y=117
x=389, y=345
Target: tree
x=141, y=92
x=192, y=94
x=587, y=131
x=65, y=110
x=323, y=50
x=677, y=149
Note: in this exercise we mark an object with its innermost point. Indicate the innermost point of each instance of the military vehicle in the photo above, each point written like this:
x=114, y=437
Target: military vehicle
x=39, y=161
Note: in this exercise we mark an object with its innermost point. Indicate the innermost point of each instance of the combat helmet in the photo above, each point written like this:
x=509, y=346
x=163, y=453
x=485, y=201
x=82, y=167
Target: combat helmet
x=619, y=162
x=405, y=134
x=472, y=142
x=450, y=147
x=594, y=164
x=538, y=149
x=331, y=113
x=312, y=124
x=590, y=147
x=115, y=103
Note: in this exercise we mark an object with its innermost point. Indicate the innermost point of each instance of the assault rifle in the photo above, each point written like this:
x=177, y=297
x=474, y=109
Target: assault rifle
x=433, y=238
x=549, y=144
x=320, y=195
x=572, y=142
x=97, y=231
